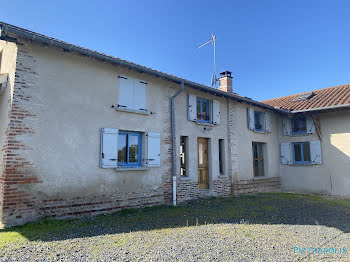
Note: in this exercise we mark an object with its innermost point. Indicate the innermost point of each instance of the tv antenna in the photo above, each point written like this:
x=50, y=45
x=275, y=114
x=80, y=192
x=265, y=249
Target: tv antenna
x=213, y=42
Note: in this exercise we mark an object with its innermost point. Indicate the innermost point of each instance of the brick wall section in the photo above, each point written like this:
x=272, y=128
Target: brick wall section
x=99, y=204
x=187, y=190
x=256, y=186
x=17, y=201
x=232, y=140
x=222, y=186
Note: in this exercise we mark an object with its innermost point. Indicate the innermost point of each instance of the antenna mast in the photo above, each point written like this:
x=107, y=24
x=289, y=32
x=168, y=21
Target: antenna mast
x=213, y=42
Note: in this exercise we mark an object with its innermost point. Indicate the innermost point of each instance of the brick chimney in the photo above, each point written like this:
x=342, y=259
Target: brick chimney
x=225, y=82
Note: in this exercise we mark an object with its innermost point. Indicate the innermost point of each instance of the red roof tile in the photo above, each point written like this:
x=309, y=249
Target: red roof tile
x=331, y=96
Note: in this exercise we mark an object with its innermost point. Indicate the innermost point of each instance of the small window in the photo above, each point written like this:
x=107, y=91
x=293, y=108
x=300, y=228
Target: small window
x=221, y=156
x=183, y=156
x=258, y=159
x=129, y=149
x=258, y=120
x=299, y=125
x=301, y=153
x=203, y=110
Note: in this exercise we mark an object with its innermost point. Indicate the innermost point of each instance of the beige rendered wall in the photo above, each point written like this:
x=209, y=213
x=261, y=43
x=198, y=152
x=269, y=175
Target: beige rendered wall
x=75, y=94
x=332, y=177
x=245, y=137
x=194, y=130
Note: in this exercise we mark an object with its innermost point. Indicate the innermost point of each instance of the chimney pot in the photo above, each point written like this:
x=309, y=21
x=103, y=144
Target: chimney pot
x=225, y=82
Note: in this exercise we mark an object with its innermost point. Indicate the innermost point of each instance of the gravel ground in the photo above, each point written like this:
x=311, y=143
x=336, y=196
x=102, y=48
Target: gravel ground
x=265, y=227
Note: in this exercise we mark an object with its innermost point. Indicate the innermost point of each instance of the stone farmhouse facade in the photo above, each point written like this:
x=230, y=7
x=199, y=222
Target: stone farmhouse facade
x=82, y=132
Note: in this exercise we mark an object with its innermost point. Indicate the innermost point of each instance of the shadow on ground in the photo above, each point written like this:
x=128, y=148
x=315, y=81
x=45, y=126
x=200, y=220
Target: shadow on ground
x=291, y=209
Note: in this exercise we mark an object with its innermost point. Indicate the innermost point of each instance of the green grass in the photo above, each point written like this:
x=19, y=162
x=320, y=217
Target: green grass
x=267, y=208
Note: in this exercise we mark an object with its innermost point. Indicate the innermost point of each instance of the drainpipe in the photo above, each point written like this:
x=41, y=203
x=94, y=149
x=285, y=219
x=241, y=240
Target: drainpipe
x=173, y=138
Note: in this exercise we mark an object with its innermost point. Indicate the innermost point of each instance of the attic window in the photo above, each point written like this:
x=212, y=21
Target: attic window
x=304, y=96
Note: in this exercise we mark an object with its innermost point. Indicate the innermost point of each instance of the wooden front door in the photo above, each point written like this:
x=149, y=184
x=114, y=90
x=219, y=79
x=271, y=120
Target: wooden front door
x=203, y=163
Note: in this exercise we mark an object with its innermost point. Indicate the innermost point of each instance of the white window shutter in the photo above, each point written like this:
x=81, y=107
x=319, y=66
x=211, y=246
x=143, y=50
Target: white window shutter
x=153, y=146
x=126, y=92
x=286, y=125
x=109, y=148
x=310, y=126
x=140, y=95
x=267, y=117
x=250, y=118
x=285, y=153
x=315, y=151
x=192, y=107
x=216, y=112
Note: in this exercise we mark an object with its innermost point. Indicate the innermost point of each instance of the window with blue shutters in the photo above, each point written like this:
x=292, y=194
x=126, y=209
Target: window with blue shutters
x=299, y=125
x=301, y=153
x=203, y=112
x=129, y=149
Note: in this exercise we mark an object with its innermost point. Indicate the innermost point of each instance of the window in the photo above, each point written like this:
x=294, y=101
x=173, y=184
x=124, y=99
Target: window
x=132, y=94
x=221, y=156
x=129, y=149
x=202, y=110
x=258, y=121
x=183, y=156
x=299, y=125
x=301, y=153
x=258, y=159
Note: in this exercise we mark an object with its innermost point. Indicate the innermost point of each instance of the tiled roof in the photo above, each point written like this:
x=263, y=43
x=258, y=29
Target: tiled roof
x=318, y=99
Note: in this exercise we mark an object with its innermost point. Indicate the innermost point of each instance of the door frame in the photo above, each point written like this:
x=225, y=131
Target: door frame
x=209, y=159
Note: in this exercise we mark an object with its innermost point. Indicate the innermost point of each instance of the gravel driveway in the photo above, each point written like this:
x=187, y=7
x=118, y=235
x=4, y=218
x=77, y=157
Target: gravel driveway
x=264, y=227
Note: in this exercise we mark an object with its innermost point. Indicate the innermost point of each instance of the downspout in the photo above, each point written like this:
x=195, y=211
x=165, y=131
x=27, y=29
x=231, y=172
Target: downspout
x=173, y=138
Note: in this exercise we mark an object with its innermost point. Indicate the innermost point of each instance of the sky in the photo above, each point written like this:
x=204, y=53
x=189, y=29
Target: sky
x=272, y=47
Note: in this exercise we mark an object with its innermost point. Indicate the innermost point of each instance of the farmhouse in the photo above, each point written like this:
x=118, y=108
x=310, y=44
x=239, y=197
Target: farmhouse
x=82, y=132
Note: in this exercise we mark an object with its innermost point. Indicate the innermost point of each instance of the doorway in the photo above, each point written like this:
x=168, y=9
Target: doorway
x=203, y=163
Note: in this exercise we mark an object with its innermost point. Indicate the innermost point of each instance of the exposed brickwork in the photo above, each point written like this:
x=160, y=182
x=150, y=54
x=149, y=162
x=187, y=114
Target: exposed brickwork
x=187, y=190
x=222, y=186
x=18, y=201
x=256, y=186
x=62, y=207
x=233, y=140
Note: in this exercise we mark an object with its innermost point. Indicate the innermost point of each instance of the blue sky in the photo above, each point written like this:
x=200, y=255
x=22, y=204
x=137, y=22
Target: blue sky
x=273, y=47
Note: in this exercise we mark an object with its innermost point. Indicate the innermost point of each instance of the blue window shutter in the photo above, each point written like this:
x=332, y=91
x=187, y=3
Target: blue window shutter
x=126, y=92
x=250, y=118
x=267, y=118
x=192, y=107
x=315, y=152
x=153, y=148
x=285, y=153
x=109, y=148
x=216, y=112
x=310, y=126
x=286, y=125
x=140, y=95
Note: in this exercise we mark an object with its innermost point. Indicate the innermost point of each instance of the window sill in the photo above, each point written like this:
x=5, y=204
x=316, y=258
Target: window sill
x=260, y=178
x=132, y=111
x=204, y=123
x=184, y=178
x=302, y=164
x=260, y=131
x=141, y=168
